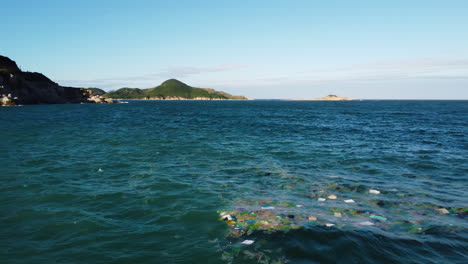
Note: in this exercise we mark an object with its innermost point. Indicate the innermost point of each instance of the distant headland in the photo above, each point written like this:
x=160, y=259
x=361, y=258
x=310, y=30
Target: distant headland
x=333, y=97
x=20, y=88
x=330, y=97
x=172, y=89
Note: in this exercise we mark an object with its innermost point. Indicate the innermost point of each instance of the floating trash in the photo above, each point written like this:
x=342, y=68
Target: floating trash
x=254, y=216
x=460, y=212
x=271, y=215
x=378, y=217
x=247, y=242
x=442, y=211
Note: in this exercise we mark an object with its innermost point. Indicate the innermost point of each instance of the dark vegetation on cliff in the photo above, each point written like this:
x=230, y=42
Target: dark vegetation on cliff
x=96, y=91
x=19, y=87
x=170, y=89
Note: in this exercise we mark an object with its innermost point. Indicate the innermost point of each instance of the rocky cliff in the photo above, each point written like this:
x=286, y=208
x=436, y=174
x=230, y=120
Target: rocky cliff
x=18, y=88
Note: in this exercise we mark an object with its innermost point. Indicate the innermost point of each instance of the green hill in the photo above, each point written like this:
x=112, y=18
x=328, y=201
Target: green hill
x=126, y=93
x=170, y=89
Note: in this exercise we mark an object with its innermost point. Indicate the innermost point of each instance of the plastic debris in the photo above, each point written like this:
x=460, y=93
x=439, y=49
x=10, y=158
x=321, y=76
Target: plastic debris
x=442, y=211
x=100, y=170
x=378, y=217
x=415, y=229
x=380, y=203
x=225, y=216
x=247, y=242
x=270, y=215
x=332, y=197
x=460, y=212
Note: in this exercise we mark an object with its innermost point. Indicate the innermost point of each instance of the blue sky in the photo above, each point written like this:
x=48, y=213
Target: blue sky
x=261, y=49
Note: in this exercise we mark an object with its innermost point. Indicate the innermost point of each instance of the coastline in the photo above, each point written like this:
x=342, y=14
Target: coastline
x=184, y=99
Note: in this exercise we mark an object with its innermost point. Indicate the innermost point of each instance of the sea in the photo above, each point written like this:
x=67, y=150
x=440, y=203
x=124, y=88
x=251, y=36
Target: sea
x=373, y=181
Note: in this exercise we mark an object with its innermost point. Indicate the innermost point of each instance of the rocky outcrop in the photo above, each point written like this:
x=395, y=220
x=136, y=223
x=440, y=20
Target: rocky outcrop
x=99, y=99
x=7, y=100
x=20, y=88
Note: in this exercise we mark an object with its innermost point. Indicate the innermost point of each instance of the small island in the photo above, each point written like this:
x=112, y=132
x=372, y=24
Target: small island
x=331, y=97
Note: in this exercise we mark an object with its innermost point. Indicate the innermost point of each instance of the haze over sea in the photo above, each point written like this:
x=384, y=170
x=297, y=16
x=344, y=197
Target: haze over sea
x=144, y=182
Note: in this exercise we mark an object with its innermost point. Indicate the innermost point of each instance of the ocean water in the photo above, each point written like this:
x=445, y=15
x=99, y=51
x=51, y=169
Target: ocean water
x=146, y=182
